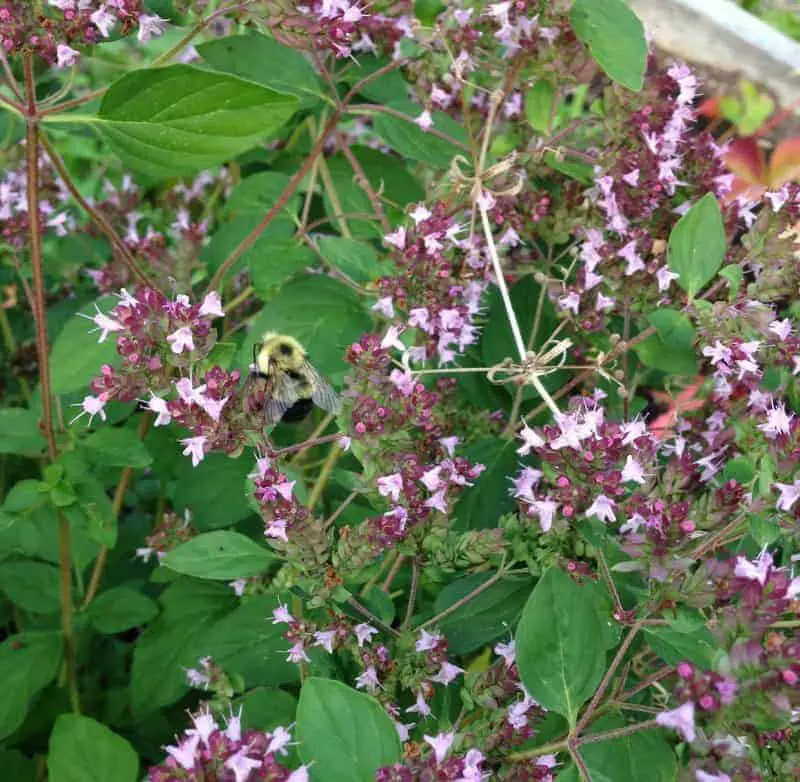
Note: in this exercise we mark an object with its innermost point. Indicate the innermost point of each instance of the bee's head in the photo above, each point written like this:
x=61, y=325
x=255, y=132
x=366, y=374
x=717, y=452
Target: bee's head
x=282, y=351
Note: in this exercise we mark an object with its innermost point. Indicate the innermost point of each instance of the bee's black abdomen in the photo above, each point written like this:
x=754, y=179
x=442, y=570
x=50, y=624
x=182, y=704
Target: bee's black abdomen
x=298, y=411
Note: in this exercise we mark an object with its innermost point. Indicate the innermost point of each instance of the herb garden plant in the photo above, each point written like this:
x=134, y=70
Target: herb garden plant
x=500, y=234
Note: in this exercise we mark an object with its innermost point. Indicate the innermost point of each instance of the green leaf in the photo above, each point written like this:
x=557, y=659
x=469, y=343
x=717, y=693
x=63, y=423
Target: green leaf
x=28, y=662
x=347, y=735
x=25, y=496
x=170, y=643
x=20, y=433
x=385, y=88
x=265, y=61
x=357, y=260
x=181, y=119
x=677, y=643
x=281, y=259
x=697, y=245
x=642, y=755
x=485, y=617
x=539, y=105
x=257, y=194
x=83, y=750
x=33, y=586
x=672, y=349
x=121, y=608
x=77, y=356
x=265, y=708
x=116, y=447
x=615, y=37
x=214, y=491
x=223, y=555
x=560, y=651
x=247, y=643
x=480, y=506
x=325, y=315
x=410, y=141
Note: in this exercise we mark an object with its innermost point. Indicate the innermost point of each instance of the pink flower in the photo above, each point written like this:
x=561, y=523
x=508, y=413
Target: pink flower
x=396, y=239
x=427, y=641
x=447, y=673
x=633, y=471
x=441, y=744
x=211, y=306
x=364, y=633
x=103, y=21
x=424, y=121
x=277, y=529
x=92, y=406
x=391, y=486
x=778, y=422
x=298, y=654
x=368, y=680
x=280, y=738
x=66, y=56
x=449, y=444
x=602, y=508
x=420, y=706
x=545, y=510
x=184, y=752
x=195, y=447
x=789, y=494
x=524, y=483
x=151, y=26
x=384, y=306
x=181, y=340
x=300, y=774
x=241, y=765
x=530, y=441
x=665, y=277
x=420, y=214
x=507, y=652
x=325, y=639
x=158, y=406
x=757, y=570
x=105, y=324
x=682, y=719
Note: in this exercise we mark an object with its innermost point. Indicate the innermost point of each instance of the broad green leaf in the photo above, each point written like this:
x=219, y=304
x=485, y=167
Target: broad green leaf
x=222, y=555
x=20, y=433
x=17, y=766
x=181, y=119
x=28, y=662
x=671, y=350
x=265, y=708
x=325, y=315
x=83, y=750
x=116, y=447
x=539, y=105
x=248, y=644
x=25, y=496
x=386, y=88
x=697, y=245
x=280, y=260
x=347, y=735
x=485, y=617
x=560, y=651
x=615, y=37
x=258, y=193
x=674, y=644
x=33, y=586
x=213, y=491
x=410, y=141
x=481, y=505
x=358, y=260
x=169, y=644
x=77, y=355
x=121, y=608
x=642, y=755
x=265, y=61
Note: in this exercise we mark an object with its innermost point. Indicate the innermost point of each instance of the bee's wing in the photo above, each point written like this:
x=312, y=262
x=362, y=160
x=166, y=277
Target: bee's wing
x=323, y=395
x=282, y=395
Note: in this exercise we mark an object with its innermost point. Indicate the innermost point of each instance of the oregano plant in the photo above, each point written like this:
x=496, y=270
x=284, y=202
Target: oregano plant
x=544, y=522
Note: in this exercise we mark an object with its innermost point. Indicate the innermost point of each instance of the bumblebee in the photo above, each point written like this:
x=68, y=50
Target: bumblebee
x=292, y=386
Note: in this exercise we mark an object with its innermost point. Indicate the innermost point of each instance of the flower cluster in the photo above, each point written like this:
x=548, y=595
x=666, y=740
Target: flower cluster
x=439, y=285
x=69, y=23
x=342, y=27
x=209, y=751
x=168, y=533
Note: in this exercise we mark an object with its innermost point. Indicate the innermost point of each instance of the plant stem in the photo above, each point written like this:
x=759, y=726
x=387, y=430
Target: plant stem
x=363, y=182
x=98, y=219
x=396, y=565
x=341, y=509
x=325, y=473
x=412, y=595
x=365, y=612
x=592, y=707
x=298, y=177
x=619, y=609
x=42, y=349
x=617, y=732
x=116, y=508
x=464, y=600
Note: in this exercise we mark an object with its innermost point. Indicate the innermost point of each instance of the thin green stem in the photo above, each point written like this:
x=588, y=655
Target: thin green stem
x=464, y=600
x=42, y=348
